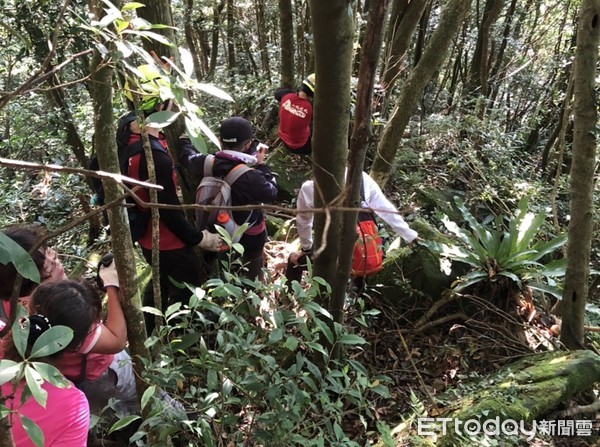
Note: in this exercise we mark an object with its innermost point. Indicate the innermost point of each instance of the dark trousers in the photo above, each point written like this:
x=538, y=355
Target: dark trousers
x=183, y=265
x=304, y=150
x=293, y=272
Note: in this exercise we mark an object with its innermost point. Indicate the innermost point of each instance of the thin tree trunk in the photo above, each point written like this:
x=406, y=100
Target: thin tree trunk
x=230, y=38
x=333, y=30
x=450, y=21
x=477, y=84
x=122, y=246
x=214, y=50
x=499, y=61
x=286, y=30
x=188, y=27
x=582, y=175
x=362, y=133
x=262, y=39
x=404, y=18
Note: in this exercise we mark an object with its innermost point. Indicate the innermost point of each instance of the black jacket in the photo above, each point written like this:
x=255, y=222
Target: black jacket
x=252, y=188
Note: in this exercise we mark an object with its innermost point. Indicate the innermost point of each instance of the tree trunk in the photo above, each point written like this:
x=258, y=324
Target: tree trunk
x=188, y=26
x=262, y=39
x=421, y=35
x=361, y=135
x=159, y=12
x=477, y=82
x=404, y=18
x=582, y=175
x=333, y=28
x=214, y=51
x=122, y=246
x=286, y=30
x=304, y=40
x=499, y=60
x=230, y=38
x=450, y=21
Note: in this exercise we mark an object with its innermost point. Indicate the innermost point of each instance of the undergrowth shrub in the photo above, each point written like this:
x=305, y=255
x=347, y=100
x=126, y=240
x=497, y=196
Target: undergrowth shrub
x=252, y=363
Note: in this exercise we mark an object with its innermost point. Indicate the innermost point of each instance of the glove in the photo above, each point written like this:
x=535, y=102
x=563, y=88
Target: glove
x=107, y=272
x=210, y=241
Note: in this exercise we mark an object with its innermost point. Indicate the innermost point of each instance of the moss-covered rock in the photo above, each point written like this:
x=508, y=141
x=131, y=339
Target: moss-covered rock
x=419, y=267
x=528, y=389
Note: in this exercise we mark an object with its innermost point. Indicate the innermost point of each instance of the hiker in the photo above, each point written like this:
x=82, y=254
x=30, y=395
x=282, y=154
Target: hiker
x=177, y=236
x=107, y=370
x=64, y=419
x=295, y=116
x=371, y=197
x=257, y=185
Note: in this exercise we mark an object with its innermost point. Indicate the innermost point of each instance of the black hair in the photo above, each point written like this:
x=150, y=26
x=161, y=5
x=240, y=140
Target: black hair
x=307, y=90
x=74, y=304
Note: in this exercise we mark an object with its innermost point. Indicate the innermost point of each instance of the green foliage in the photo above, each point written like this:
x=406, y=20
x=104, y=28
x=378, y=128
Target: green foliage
x=116, y=37
x=506, y=251
x=31, y=373
x=248, y=368
x=11, y=252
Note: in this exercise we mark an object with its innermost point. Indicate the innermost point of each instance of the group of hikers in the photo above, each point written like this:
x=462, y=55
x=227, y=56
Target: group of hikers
x=95, y=361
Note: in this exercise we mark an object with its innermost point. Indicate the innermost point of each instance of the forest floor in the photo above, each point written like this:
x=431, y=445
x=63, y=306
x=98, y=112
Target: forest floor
x=425, y=368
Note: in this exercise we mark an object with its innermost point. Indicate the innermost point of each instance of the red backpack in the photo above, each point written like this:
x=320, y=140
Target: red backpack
x=367, y=256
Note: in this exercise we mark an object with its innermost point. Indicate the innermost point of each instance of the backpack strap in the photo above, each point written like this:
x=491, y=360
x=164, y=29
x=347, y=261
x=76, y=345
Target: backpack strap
x=209, y=163
x=366, y=214
x=235, y=173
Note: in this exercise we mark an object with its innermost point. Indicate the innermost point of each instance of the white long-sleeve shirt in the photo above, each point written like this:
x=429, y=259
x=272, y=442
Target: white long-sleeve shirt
x=374, y=199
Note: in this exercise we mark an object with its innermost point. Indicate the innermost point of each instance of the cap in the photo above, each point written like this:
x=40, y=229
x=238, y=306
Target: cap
x=235, y=130
x=310, y=82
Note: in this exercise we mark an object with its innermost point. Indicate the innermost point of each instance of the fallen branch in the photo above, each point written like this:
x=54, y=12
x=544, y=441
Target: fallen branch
x=580, y=409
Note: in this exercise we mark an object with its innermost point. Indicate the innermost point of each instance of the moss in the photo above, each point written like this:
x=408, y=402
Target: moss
x=530, y=388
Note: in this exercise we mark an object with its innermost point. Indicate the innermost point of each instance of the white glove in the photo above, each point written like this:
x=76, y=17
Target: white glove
x=210, y=241
x=108, y=275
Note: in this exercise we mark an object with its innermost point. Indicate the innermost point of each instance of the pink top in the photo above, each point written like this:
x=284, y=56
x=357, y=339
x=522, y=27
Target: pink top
x=65, y=420
x=71, y=362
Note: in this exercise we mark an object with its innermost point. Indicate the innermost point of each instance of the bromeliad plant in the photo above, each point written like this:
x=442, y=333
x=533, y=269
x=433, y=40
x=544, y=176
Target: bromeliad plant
x=509, y=257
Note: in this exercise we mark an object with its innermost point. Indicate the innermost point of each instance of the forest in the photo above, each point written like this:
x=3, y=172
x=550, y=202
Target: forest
x=476, y=119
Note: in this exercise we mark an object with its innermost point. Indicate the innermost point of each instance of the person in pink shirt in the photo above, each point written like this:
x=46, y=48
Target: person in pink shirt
x=64, y=422
x=99, y=365
x=96, y=362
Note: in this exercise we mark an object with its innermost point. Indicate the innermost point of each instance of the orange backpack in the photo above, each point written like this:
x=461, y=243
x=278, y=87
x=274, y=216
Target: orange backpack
x=367, y=256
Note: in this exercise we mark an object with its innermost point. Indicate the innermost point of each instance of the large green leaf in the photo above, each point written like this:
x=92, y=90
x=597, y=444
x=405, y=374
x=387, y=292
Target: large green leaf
x=512, y=276
x=122, y=423
x=33, y=430
x=544, y=248
x=34, y=382
x=9, y=370
x=51, y=374
x=11, y=252
x=20, y=334
x=51, y=341
x=480, y=231
x=556, y=268
x=546, y=288
x=471, y=278
x=528, y=229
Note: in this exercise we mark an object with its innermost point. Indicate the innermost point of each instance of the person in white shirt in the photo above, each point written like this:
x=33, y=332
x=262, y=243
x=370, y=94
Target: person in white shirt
x=373, y=198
